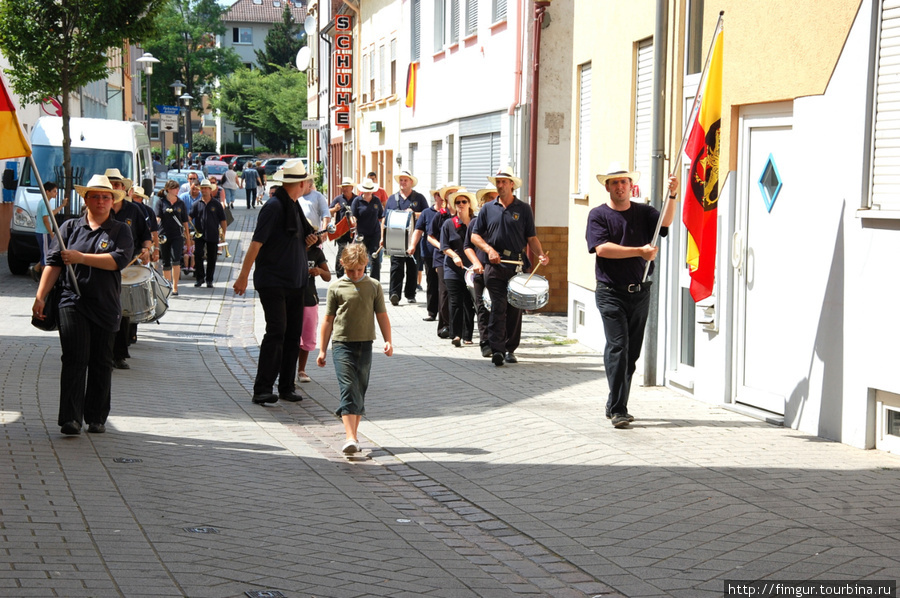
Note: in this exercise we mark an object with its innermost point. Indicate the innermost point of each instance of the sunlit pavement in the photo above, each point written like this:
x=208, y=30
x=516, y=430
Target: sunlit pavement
x=475, y=480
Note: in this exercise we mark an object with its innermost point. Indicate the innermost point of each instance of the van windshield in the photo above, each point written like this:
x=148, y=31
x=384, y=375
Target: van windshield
x=85, y=164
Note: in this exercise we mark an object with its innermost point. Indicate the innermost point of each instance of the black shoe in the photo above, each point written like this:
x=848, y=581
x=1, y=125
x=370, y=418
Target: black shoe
x=429, y=319
x=121, y=364
x=497, y=358
x=444, y=332
x=486, y=351
x=209, y=285
x=199, y=283
x=291, y=397
x=620, y=421
x=72, y=428
x=628, y=416
x=411, y=300
x=395, y=299
x=510, y=358
x=96, y=428
x=457, y=342
x=266, y=397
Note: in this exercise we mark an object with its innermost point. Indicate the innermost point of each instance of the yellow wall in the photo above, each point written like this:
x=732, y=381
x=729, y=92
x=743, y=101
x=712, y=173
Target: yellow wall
x=605, y=33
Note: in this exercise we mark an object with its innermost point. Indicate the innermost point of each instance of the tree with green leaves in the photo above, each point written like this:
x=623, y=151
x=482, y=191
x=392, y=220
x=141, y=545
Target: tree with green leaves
x=271, y=106
x=185, y=44
x=54, y=48
x=282, y=43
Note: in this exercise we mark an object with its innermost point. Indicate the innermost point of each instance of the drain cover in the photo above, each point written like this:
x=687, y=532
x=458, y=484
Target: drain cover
x=126, y=460
x=201, y=530
x=264, y=594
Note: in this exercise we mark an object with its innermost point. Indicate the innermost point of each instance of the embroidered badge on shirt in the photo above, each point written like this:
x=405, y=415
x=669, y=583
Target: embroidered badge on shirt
x=104, y=244
x=128, y=221
x=515, y=217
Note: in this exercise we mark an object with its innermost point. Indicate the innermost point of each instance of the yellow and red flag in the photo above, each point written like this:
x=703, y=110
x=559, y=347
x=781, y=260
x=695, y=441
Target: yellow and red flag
x=701, y=199
x=12, y=141
x=411, y=85
x=341, y=229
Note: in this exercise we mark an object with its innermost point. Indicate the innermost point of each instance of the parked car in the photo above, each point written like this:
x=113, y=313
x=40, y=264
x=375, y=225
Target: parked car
x=227, y=158
x=239, y=161
x=215, y=168
x=273, y=164
x=182, y=175
x=206, y=156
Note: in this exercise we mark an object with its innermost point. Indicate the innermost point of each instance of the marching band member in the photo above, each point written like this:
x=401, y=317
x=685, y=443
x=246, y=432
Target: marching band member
x=453, y=236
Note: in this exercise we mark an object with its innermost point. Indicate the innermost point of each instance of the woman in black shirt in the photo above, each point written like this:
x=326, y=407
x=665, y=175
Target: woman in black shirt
x=97, y=248
x=453, y=236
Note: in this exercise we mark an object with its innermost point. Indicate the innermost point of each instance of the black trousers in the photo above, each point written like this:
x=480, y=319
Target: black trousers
x=462, y=308
x=624, y=316
x=338, y=268
x=443, y=303
x=251, y=196
x=204, y=248
x=374, y=263
x=401, y=266
x=85, y=382
x=280, y=347
x=505, y=324
x=120, y=343
x=431, y=287
x=482, y=313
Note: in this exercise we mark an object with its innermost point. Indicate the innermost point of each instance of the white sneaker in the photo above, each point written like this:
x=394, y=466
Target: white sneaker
x=302, y=377
x=350, y=447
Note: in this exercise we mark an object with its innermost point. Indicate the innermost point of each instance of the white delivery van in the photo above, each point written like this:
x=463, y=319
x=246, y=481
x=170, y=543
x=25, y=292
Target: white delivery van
x=97, y=144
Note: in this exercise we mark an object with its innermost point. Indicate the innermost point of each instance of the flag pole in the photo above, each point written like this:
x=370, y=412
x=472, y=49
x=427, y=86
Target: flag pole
x=62, y=244
x=685, y=135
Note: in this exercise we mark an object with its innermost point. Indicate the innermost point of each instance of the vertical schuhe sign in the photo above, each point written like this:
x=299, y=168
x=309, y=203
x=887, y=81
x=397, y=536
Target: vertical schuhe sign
x=342, y=60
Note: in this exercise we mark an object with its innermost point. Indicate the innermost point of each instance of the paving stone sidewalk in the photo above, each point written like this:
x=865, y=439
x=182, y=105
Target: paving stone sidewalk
x=478, y=481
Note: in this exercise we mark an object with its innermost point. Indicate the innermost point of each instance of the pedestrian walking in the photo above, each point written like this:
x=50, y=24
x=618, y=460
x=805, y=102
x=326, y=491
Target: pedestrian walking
x=349, y=309
x=97, y=247
x=278, y=251
x=619, y=233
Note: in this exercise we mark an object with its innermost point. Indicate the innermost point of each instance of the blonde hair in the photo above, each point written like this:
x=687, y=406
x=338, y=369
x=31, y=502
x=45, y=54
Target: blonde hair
x=355, y=255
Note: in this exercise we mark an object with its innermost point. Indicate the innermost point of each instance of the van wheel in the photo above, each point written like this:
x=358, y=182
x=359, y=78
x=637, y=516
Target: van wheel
x=16, y=265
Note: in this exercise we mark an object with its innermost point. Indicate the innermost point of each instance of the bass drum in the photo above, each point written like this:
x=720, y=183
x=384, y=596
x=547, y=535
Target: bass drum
x=138, y=299
x=399, y=226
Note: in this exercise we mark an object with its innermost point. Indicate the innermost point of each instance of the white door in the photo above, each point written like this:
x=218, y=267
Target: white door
x=763, y=324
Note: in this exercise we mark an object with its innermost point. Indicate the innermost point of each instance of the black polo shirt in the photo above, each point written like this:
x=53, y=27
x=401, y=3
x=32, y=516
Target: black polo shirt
x=506, y=229
x=368, y=216
x=100, y=289
x=207, y=217
x=424, y=224
x=282, y=259
x=437, y=224
x=416, y=201
x=172, y=217
x=152, y=224
x=133, y=216
x=482, y=256
x=453, y=235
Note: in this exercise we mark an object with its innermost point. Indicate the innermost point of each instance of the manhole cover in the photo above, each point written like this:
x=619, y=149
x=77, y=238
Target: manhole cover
x=126, y=460
x=264, y=594
x=201, y=530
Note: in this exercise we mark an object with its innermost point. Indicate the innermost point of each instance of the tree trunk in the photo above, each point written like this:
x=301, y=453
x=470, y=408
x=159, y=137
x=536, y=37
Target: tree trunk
x=68, y=184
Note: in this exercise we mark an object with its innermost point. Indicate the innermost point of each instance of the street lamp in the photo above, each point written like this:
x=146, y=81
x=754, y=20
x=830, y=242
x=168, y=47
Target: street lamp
x=186, y=99
x=178, y=89
x=147, y=60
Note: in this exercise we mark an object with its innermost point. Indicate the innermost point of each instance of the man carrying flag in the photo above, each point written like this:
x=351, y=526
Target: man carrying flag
x=702, y=189
x=619, y=233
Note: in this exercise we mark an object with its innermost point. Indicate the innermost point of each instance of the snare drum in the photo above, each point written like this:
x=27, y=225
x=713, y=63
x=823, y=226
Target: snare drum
x=531, y=296
x=138, y=299
x=399, y=226
x=470, y=283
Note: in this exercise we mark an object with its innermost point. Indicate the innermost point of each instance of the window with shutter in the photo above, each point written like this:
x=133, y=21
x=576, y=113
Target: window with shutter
x=381, y=78
x=415, y=30
x=584, y=129
x=393, y=67
x=440, y=11
x=643, y=108
x=454, y=21
x=498, y=12
x=471, y=17
x=885, y=180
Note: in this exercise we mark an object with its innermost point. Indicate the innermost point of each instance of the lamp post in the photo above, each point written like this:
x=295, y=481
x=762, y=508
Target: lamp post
x=186, y=99
x=178, y=89
x=147, y=60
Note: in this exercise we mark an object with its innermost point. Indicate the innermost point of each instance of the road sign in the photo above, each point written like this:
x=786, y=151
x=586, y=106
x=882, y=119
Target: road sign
x=168, y=122
x=168, y=110
x=310, y=124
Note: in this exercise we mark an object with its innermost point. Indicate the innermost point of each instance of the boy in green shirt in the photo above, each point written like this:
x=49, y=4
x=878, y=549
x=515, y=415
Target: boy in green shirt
x=349, y=307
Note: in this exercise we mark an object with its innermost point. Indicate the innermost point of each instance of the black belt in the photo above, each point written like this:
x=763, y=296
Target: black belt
x=638, y=287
